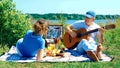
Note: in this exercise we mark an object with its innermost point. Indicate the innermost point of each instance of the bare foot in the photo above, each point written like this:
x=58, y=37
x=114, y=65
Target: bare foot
x=92, y=55
x=99, y=51
x=99, y=48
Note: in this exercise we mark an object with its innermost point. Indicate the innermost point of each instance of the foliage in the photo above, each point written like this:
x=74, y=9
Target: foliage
x=112, y=37
x=13, y=24
x=53, y=16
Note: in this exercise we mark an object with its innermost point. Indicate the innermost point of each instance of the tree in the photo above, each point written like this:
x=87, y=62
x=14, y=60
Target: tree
x=13, y=23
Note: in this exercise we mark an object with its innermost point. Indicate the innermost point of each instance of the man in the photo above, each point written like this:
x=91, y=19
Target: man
x=89, y=46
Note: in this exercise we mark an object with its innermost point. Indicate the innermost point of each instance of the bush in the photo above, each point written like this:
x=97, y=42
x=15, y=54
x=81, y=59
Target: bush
x=13, y=23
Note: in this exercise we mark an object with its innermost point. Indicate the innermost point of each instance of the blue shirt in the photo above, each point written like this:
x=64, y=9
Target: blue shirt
x=31, y=44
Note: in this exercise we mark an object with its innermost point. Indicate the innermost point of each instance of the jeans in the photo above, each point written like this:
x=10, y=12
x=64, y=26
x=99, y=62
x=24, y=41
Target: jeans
x=85, y=45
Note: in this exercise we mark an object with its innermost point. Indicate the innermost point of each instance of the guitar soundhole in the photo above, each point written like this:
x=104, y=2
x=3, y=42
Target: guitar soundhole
x=79, y=35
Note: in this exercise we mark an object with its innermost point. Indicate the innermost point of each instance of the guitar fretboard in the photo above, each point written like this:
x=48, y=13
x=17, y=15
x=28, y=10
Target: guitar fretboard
x=86, y=33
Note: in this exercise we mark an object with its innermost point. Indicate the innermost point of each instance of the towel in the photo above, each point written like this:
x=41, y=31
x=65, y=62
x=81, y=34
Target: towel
x=71, y=56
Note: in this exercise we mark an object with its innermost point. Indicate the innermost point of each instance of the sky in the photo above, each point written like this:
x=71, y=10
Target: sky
x=104, y=7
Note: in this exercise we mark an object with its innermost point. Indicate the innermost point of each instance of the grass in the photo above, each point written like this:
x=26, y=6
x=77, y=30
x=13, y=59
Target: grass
x=111, y=47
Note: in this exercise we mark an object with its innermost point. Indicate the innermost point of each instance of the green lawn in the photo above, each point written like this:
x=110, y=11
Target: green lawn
x=111, y=48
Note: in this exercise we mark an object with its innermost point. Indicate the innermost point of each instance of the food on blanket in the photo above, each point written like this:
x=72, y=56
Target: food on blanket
x=51, y=46
x=61, y=51
x=55, y=52
x=58, y=51
x=48, y=53
x=61, y=54
x=51, y=50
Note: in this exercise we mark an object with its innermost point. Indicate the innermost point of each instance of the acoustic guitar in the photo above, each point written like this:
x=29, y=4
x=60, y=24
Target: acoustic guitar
x=71, y=43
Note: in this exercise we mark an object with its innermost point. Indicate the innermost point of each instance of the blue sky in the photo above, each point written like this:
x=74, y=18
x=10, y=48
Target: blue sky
x=68, y=6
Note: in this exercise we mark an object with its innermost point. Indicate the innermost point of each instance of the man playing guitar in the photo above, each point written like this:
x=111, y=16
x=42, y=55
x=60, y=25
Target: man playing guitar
x=90, y=44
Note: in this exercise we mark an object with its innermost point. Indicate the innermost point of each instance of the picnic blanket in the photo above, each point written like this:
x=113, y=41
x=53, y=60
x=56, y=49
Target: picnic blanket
x=13, y=56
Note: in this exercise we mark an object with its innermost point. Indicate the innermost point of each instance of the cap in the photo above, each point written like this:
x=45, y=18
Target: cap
x=90, y=14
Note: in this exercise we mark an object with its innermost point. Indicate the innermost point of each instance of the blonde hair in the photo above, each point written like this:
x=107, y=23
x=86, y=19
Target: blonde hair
x=40, y=27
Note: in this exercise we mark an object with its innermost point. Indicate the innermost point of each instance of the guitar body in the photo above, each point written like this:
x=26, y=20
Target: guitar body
x=70, y=42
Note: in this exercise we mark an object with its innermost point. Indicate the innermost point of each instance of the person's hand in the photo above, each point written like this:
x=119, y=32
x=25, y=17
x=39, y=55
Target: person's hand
x=99, y=47
x=101, y=30
x=39, y=60
x=73, y=34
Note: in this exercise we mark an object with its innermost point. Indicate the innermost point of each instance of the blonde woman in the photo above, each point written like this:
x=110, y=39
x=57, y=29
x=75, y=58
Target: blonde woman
x=33, y=43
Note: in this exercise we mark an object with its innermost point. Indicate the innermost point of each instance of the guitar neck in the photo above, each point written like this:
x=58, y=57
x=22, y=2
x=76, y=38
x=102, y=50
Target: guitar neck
x=91, y=31
x=107, y=27
x=86, y=33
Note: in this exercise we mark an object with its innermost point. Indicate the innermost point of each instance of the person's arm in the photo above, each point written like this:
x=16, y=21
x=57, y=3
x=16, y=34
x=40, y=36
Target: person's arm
x=70, y=31
x=100, y=42
x=40, y=55
x=100, y=36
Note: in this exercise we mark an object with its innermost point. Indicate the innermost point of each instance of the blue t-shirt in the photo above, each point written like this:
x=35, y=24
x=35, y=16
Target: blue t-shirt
x=31, y=44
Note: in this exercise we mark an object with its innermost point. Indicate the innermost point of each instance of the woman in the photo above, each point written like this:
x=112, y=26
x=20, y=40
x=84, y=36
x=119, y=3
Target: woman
x=33, y=43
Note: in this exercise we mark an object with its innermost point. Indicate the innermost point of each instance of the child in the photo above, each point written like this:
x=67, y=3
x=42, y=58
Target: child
x=33, y=43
